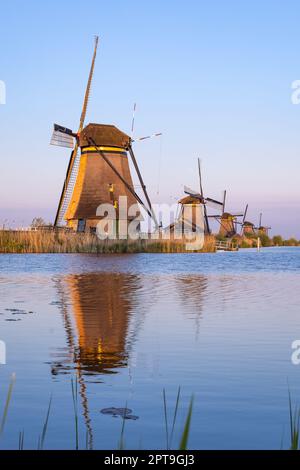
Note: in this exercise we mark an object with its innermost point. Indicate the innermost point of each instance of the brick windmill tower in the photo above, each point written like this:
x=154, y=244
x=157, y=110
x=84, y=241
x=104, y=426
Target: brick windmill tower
x=98, y=172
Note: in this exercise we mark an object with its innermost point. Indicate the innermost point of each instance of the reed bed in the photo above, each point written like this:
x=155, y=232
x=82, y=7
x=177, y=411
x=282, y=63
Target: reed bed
x=40, y=241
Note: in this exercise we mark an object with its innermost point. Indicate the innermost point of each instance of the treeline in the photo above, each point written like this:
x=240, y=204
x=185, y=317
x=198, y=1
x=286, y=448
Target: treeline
x=266, y=241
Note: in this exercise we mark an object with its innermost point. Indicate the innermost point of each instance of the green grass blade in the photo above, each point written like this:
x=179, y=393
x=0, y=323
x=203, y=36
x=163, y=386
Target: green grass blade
x=175, y=416
x=21, y=440
x=166, y=418
x=8, y=398
x=186, y=430
x=294, y=416
x=45, y=427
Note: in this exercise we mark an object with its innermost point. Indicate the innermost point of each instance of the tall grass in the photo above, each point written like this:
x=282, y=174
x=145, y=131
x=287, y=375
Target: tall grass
x=45, y=427
x=175, y=416
x=294, y=415
x=71, y=242
x=186, y=430
x=187, y=425
x=21, y=440
x=7, y=402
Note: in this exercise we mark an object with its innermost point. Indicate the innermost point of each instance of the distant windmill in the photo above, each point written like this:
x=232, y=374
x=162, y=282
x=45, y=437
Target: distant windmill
x=262, y=229
x=195, y=199
x=248, y=228
x=229, y=222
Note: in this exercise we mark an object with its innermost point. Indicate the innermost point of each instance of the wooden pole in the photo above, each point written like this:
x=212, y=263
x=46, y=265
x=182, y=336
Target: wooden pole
x=81, y=124
x=142, y=185
x=202, y=195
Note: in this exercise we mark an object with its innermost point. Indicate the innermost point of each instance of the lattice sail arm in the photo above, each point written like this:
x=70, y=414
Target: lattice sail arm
x=62, y=136
x=68, y=189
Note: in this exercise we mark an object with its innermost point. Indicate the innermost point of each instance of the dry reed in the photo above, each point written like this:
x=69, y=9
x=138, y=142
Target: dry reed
x=40, y=241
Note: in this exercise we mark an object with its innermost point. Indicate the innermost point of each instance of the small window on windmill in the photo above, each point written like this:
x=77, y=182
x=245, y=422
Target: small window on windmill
x=111, y=188
x=116, y=204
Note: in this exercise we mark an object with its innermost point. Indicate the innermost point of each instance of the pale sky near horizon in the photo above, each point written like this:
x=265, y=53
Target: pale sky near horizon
x=215, y=77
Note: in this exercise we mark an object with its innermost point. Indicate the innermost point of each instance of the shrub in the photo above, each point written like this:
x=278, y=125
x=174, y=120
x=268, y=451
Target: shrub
x=277, y=240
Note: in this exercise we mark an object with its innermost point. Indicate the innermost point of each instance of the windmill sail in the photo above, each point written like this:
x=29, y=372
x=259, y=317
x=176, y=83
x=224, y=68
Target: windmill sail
x=67, y=193
x=73, y=166
x=62, y=137
x=214, y=204
x=191, y=192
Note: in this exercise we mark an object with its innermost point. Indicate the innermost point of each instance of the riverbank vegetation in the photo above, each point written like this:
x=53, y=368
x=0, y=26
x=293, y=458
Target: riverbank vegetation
x=265, y=240
x=39, y=241
x=250, y=240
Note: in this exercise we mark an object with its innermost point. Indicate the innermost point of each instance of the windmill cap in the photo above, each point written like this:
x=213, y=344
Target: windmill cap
x=103, y=134
x=227, y=215
x=190, y=200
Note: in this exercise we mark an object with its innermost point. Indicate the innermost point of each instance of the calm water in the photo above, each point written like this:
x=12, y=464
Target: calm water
x=219, y=325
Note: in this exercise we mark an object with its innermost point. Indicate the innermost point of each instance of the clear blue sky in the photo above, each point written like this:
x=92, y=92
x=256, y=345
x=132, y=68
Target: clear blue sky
x=214, y=76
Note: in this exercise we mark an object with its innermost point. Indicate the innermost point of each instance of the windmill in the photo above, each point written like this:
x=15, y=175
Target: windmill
x=99, y=173
x=262, y=229
x=229, y=222
x=194, y=201
x=248, y=228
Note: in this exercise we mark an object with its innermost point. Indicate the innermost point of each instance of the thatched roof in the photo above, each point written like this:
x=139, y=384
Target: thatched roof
x=227, y=216
x=190, y=200
x=103, y=135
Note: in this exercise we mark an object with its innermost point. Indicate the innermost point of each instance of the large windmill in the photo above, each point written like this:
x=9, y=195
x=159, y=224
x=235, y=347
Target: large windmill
x=99, y=173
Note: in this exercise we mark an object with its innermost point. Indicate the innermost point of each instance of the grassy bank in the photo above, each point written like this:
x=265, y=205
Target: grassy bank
x=69, y=242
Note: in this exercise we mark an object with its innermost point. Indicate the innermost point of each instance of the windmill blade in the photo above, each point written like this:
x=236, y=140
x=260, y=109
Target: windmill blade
x=213, y=203
x=191, y=192
x=147, y=137
x=133, y=120
x=200, y=177
x=242, y=224
x=68, y=186
x=202, y=196
x=224, y=200
x=88, y=88
x=245, y=213
x=63, y=130
x=62, y=137
x=70, y=172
